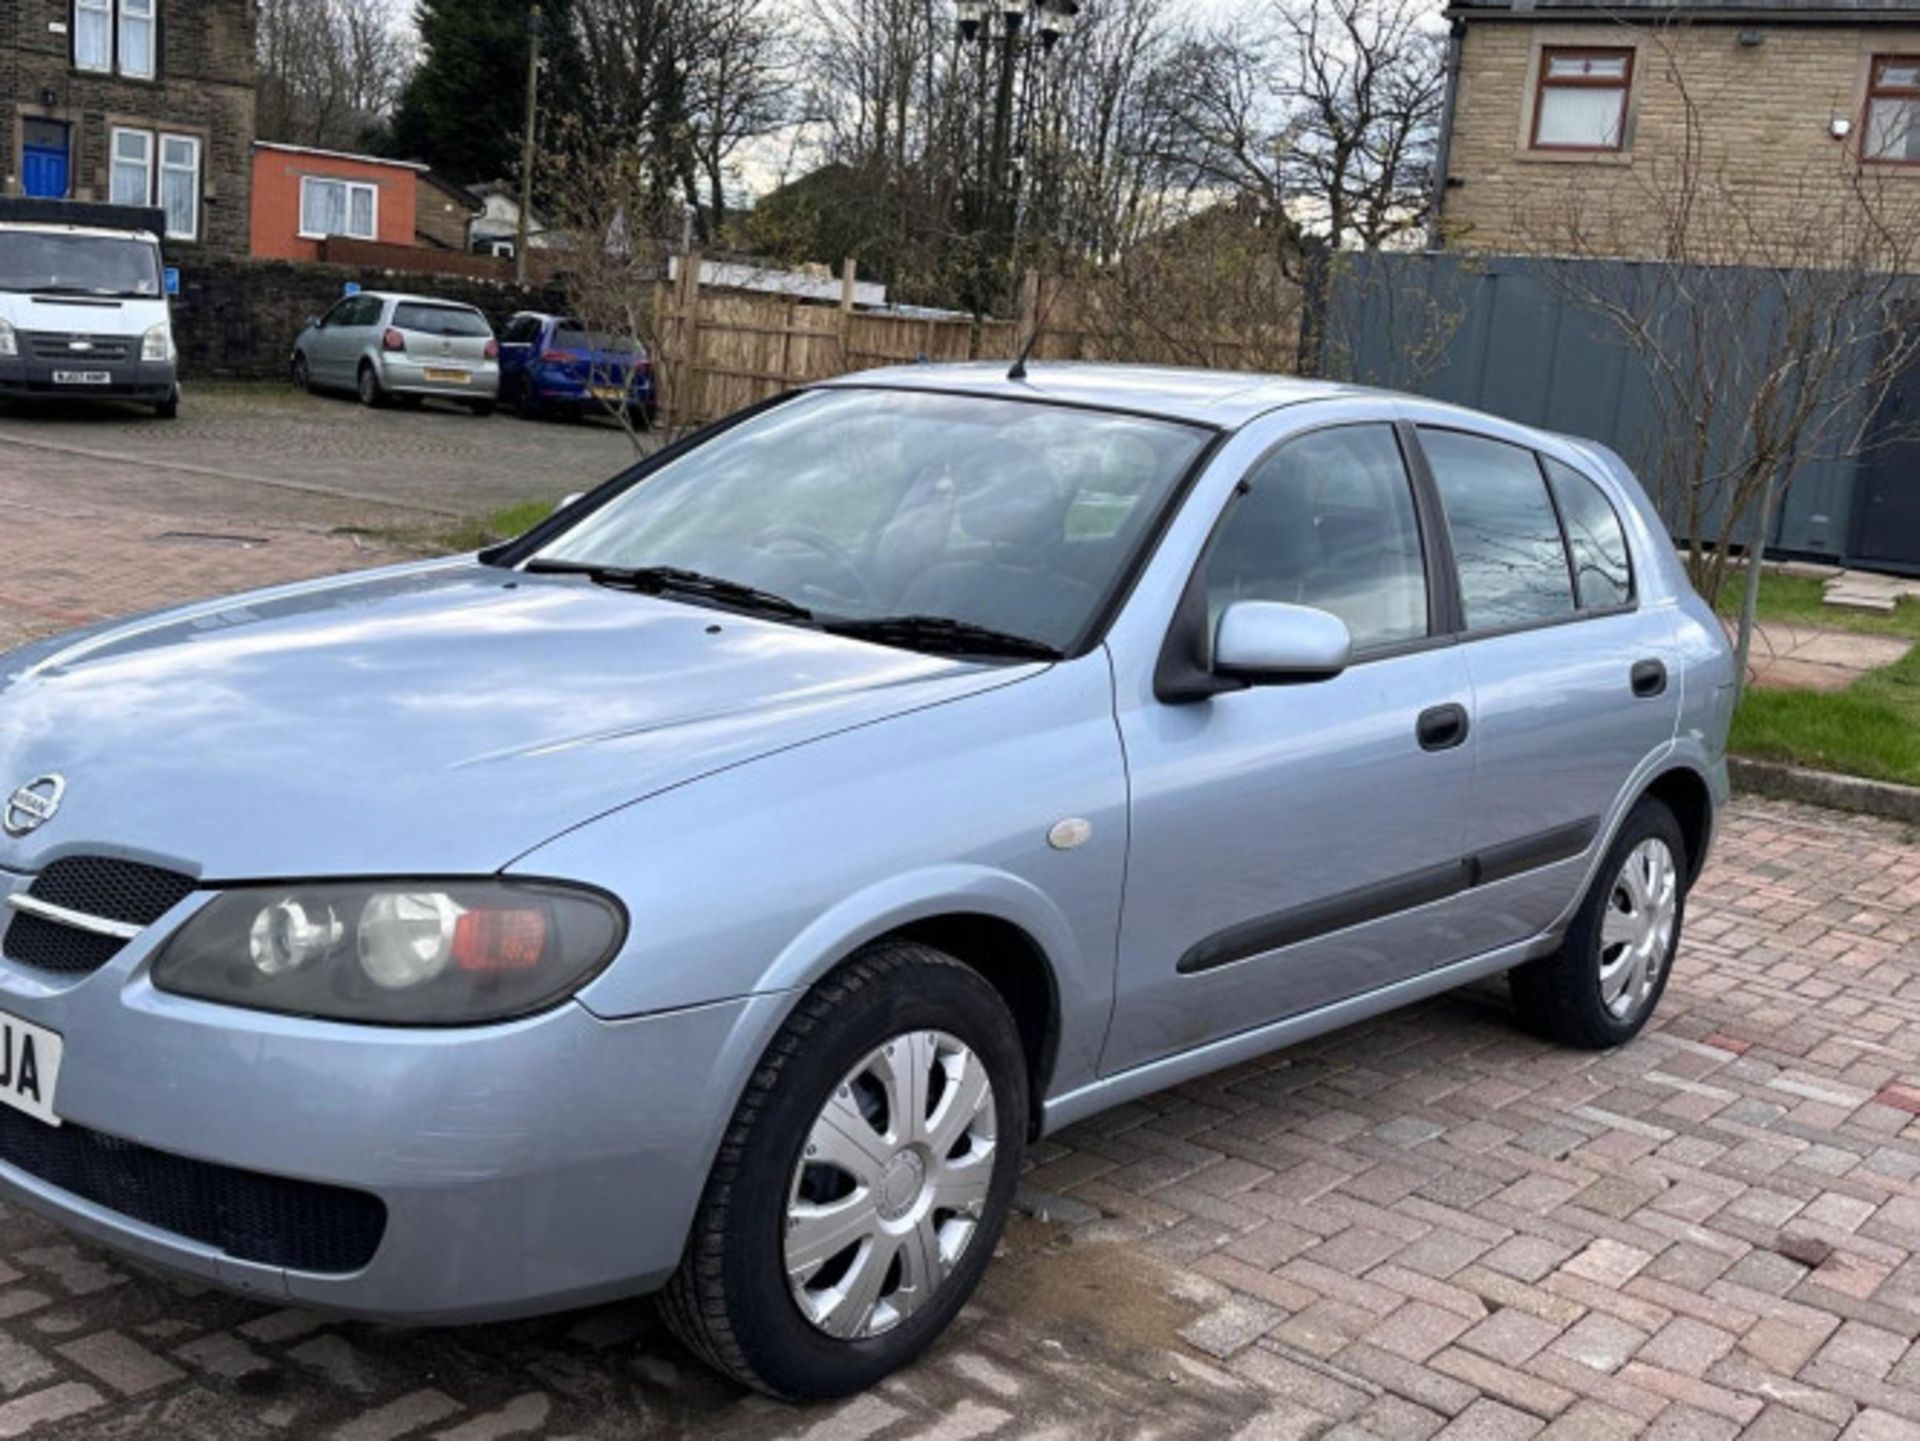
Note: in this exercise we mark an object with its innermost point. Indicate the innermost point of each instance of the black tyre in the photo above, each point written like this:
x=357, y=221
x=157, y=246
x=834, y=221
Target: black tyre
x=372, y=394
x=1602, y=985
x=482, y=408
x=527, y=404
x=302, y=375
x=168, y=409
x=863, y=1182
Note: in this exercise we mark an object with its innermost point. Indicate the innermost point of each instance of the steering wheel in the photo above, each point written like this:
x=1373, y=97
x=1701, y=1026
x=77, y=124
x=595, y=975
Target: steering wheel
x=822, y=544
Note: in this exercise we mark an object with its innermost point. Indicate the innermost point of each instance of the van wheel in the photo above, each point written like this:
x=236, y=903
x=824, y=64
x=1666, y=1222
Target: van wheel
x=371, y=394
x=863, y=1182
x=168, y=409
x=1600, y=988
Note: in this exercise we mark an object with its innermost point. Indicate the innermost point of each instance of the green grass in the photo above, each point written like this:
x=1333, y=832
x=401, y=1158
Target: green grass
x=1796, y=600
x=501, y=525
x=1871, y=729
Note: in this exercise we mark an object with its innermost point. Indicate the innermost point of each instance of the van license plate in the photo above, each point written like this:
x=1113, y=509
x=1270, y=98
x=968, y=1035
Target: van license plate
x=29, y=1067
x=83, y=377
x=450, y=377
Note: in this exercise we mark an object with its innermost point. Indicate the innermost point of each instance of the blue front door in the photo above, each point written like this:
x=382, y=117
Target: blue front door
x=44, y=163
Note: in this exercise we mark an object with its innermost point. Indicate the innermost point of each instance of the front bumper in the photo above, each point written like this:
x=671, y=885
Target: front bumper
x=526, y=1167
x=31, y=378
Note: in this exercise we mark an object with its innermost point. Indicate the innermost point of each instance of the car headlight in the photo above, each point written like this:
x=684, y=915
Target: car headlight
x=157, y=344
x=425, y=953
x=9, y=339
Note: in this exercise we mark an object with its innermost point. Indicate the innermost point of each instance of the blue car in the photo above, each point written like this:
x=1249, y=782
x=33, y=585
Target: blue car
x=554, y=365
x=715, y=890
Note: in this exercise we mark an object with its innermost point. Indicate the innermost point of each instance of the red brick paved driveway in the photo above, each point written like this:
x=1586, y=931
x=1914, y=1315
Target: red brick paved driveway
x=1430, y=1224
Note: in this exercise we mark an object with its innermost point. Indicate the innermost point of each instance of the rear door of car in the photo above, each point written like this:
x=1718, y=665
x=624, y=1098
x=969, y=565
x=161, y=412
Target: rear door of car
x=1294, y=845
x=519, y=344
x=1573, y=679
x=449, y=337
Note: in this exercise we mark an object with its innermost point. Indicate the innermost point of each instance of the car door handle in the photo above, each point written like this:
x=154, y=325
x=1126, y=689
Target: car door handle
x=1649, y=678
x=1441, y=727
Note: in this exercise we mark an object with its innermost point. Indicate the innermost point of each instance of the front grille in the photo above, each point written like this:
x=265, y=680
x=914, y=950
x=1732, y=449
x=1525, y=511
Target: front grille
x=302, y=1225
x=113, y=890
x=101, y=349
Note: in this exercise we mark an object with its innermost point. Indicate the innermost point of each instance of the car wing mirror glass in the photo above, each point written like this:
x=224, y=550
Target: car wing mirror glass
x=1264, y=642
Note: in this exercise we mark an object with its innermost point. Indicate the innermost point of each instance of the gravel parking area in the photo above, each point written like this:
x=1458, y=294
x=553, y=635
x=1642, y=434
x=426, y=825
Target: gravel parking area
x=1428, y=1225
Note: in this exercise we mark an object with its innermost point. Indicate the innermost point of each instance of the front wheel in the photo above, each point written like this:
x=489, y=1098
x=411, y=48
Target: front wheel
x=1600, y=988
x=168, y=409
x=863, y=1182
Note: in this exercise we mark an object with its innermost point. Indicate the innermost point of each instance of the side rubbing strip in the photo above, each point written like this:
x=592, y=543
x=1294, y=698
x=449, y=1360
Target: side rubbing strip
x=1385, y=898
x=1528, y=853
x=1335, y=913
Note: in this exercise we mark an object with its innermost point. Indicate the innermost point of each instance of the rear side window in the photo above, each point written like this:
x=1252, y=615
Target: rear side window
x=574, y=337
x=1506, y=538
x=1602, y=570
x=1329, y=522
x=521, y=330
x=441, y=320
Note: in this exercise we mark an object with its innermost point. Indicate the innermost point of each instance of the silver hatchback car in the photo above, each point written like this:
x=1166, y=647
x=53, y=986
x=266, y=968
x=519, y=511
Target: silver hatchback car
x=714, y=890
x=382, y=346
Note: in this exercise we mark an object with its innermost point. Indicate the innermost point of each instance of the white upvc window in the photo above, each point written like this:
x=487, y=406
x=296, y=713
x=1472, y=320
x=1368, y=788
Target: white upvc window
x=338, y=207
x=132, y=178
x=138, y=25
x=180, y=185
x=152, y=168
x=93, y=35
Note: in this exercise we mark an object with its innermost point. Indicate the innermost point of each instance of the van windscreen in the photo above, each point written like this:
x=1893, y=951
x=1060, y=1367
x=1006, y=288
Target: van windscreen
x=45, y=263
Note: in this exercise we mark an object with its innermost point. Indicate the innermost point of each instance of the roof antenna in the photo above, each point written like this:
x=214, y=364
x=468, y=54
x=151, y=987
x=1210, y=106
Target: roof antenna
x=1018, y=371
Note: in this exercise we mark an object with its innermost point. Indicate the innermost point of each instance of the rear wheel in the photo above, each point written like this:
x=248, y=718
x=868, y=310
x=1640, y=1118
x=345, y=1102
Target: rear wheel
x=372, y=393
x=863, y=1182
x=482, y=408
x=1600, y=988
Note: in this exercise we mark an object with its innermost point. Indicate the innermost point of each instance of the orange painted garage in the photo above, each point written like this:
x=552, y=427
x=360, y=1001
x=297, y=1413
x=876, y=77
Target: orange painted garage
x=302, y=196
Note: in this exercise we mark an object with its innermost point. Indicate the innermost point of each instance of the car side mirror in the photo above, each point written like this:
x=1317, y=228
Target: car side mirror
x=313, y=322
x=1264, y=642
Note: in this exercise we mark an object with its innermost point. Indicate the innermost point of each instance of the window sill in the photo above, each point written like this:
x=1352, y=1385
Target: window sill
x=1532, y=155
x=336, y=235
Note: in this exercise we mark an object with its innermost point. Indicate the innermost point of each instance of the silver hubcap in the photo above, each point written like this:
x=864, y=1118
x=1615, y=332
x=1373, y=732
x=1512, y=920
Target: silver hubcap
x=1637, y=932
x=891, y=1185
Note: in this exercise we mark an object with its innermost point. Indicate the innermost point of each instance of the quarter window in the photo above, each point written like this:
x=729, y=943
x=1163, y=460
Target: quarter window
x=338, y=207
x=1893, y=111
x=1506, y=537
x=1602, y=570
x=1329, y=521
x=1582, y=103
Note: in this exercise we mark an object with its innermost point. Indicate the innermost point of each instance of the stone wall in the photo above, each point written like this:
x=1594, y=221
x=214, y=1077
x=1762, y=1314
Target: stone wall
x=237, y=319
x=1770, y=179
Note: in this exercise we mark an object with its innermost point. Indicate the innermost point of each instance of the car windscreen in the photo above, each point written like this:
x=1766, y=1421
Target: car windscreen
x=48, y=264
x=862, y=505
x=442, y=320
x=603, y=342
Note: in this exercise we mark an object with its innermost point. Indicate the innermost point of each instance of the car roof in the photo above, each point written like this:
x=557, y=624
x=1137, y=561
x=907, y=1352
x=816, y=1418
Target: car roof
x=1227, y=399
x=405, y=298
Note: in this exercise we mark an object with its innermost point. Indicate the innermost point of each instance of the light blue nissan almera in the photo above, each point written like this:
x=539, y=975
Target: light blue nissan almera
x=715, y=889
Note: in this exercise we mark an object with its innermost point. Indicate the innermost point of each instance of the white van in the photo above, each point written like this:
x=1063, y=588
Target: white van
x=83, y=305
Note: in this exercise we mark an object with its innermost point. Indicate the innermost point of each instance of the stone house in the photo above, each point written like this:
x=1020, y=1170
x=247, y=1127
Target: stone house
x=146, y=102
x=1569, y=117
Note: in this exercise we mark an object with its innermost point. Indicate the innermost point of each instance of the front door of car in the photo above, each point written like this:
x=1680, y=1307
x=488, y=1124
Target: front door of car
x=326, y=348
x=1573, y=694
x=1293, y=845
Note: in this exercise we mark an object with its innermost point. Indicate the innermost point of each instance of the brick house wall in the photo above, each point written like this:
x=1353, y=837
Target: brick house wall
x=203, y=88
x=278, y=175
x=1771, y=169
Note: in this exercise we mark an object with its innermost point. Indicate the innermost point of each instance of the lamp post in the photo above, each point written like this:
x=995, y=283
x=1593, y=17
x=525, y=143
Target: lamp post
x=1011, y=41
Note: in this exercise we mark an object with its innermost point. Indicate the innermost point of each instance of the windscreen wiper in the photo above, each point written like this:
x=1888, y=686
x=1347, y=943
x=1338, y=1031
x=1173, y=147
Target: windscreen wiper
x=943, y=635
x=670, y=580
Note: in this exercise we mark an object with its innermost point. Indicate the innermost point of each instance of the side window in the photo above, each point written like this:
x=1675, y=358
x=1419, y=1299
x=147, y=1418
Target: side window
x=521, y=330
x=1506, y=538
x=1602, y=569
x=367, y=312
x=1329, y=522
x=340, y=314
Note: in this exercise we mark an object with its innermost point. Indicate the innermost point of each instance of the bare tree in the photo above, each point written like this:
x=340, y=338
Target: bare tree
x=330, y=71
x=1767, y=323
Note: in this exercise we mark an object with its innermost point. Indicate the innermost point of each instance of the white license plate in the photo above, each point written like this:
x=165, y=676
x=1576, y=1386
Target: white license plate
x=29, y=1067
x=451, y=377
x=83, y=377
